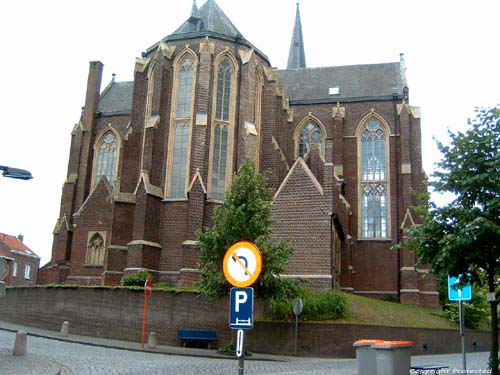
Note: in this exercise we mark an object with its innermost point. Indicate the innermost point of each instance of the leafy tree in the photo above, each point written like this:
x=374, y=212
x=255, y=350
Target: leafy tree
x=464, y=235
x=244, y=216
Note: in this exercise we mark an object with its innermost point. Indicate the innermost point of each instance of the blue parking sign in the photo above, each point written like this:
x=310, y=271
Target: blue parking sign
x=463, y=293
x=241, y=308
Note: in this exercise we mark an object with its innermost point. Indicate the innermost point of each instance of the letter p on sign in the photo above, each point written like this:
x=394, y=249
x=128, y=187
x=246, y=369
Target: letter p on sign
x=241, y=298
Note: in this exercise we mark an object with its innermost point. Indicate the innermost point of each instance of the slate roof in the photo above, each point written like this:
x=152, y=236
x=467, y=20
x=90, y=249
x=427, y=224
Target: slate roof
x=116, y=99
x=302, y=86
x=12, y=243
x=355, y=83
x=213, y=19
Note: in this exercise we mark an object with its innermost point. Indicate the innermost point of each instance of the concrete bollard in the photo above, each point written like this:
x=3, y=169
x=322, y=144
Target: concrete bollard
x=20, y=346
x=64, y=329
x=152, y=340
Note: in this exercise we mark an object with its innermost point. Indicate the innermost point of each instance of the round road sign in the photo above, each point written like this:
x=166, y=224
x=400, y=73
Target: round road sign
x=242, y=264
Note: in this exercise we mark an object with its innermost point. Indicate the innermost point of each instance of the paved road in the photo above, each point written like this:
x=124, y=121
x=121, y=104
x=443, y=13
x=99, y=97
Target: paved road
x=51, y=357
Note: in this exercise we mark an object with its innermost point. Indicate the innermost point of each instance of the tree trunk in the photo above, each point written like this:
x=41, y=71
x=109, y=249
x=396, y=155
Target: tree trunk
x=494, y=325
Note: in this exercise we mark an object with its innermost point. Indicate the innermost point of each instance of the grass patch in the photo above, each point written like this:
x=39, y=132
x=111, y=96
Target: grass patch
x=369, y=311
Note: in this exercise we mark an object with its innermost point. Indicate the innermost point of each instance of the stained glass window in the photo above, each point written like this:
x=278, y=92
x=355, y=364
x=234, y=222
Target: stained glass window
x=373, y=182
x=106, y=158
x=309, y=135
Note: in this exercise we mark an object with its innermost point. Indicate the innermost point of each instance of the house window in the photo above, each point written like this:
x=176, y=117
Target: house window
x=309, y=135
x=107, y=155
x=180, y=133
x=373, y=181
x=95, y=251
x=220, y=164
x=14, y=269
x=27, y=272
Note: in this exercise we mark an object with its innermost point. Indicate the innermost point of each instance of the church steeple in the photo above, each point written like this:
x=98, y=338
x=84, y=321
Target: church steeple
x=297, y=56
x=194, y=10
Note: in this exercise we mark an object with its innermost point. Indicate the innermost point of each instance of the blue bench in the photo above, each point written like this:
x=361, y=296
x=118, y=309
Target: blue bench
x=427, y=369
x=186, y=335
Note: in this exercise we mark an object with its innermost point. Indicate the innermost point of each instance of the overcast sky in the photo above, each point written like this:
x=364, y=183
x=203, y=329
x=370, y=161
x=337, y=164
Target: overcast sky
x=451, y=50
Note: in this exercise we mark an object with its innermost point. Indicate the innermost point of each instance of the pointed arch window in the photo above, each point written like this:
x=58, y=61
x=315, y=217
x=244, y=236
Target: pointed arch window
x=180, y=133
x=107, y=156
x=221, y=130
x=95, y=251
x=309, y=136
x=374, y=207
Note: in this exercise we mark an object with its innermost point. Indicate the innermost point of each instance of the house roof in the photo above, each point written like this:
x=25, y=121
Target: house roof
x=12, y=243
x=354, y=83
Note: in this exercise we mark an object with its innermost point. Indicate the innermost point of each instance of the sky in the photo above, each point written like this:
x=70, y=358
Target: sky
x=451, y=49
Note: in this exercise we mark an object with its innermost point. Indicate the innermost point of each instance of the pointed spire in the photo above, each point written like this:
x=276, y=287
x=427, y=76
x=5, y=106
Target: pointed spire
x=194, y=10
x=297, y=56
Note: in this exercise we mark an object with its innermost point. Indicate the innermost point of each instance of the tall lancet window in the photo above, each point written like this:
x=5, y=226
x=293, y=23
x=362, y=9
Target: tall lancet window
x=222, y=128
x=374, y=207
x=180, y=132
x=107, y=156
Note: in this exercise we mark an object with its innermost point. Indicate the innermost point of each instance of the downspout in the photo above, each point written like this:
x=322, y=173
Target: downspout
x=396, y=147
x=332, y=257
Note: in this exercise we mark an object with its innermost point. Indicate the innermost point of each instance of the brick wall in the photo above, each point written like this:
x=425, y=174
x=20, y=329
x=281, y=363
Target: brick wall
x=117, y=314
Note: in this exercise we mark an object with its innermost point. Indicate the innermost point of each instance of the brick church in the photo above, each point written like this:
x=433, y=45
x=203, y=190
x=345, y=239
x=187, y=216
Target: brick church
x=151, y=158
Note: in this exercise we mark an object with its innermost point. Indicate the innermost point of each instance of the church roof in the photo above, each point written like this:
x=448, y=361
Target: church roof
x=342, y=83
x=116, y=99
x=302, y=86
x=297, y=55
x=212, y=19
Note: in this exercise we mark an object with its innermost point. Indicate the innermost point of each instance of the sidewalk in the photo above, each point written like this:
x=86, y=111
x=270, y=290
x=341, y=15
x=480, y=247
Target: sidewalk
x=134, y=346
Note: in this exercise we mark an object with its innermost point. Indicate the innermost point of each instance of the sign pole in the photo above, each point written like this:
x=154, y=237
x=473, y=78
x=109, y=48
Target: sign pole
x=148, y=285
x=298, y=305
x=144, y=319
x=462, y=332
x=240, y=350
x=242, y=266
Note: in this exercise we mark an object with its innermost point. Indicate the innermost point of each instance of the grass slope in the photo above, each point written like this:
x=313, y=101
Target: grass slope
x=363, y=310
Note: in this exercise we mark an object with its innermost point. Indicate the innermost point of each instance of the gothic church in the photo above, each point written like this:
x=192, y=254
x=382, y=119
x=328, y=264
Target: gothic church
x=151, y=158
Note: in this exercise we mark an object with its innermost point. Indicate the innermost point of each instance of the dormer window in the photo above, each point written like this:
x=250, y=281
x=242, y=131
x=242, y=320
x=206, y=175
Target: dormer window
x=334, y=90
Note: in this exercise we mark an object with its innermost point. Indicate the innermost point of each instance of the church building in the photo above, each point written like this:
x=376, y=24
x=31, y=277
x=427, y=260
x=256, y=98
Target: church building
x=151, y=158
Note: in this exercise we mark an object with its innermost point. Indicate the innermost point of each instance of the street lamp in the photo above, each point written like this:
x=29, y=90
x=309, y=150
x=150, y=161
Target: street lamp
x=20, y=174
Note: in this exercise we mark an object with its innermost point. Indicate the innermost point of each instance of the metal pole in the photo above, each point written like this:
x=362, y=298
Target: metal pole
x=296, y=334
x=462, y=332
x=240, y=350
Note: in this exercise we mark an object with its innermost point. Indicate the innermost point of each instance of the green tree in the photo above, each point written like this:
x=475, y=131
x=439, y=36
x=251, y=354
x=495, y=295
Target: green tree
x=464, y=235
x=244, y=216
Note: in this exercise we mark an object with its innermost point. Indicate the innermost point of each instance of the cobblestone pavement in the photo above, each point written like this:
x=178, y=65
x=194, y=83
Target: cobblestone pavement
x=50, y=357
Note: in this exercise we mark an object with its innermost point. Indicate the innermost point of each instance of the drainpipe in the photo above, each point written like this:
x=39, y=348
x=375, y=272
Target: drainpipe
x=396, y=147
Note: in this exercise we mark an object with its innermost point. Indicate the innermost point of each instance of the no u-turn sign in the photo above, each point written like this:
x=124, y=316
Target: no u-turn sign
x=242, y=264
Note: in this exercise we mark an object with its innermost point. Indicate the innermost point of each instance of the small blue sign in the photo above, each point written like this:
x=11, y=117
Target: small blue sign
x=464, y=293
x=241, y=308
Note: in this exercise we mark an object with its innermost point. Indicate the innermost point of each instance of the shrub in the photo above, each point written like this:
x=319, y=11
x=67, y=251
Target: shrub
x=137, y=280
x=318, y=305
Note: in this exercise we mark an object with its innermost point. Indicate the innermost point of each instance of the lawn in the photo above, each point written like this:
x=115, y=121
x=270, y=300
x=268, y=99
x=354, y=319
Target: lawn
x=363, y=310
